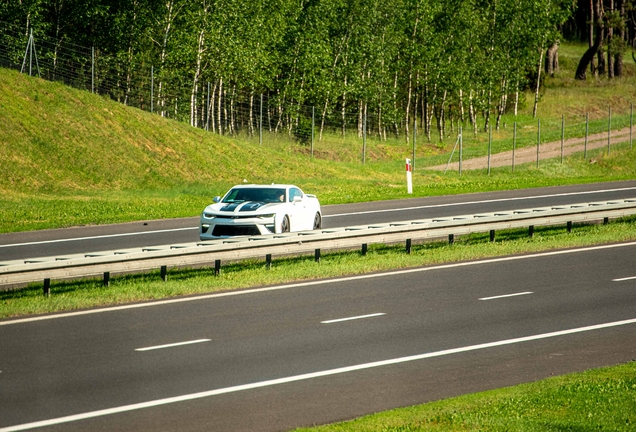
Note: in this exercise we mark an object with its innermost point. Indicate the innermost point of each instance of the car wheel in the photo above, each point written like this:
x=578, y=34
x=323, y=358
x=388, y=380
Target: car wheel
x=317, y=221
x=284, y=226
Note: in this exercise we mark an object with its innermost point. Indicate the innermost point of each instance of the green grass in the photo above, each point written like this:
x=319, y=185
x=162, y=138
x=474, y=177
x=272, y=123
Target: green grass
x=596, y=400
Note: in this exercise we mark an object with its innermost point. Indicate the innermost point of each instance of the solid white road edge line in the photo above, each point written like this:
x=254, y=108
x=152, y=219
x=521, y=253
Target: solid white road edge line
x=506, y=295
x=624, y=279
x=98, y=237
x=313, y=283
x=172, y=345
x=352, y=318
x=308, y=376
x=480, y=202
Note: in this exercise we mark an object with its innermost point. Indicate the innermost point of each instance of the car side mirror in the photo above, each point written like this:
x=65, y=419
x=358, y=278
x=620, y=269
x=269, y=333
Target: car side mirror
x=297, y=198
x=216, y=199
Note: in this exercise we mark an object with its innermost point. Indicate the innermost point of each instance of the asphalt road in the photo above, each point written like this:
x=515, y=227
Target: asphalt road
x=173, y=231
x=277, y=358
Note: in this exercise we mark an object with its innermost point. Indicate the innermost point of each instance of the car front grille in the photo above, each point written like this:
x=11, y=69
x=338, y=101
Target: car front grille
x=229, y=230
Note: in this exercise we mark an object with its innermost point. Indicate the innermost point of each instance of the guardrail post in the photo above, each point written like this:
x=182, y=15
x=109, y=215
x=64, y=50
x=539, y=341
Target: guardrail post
x=605, y=221
x=364, y=249
x=569, y=227
x=164, y=273
x=317, y=255
x=268, y=261
x=531, y=230
x=451, y=239
x=408, y=246
x=106, y=279
x=492, y=235
x=217, y=267
x=47, y=287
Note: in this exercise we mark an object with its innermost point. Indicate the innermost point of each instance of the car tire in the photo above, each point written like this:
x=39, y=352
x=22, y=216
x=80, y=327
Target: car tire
x=284, y=226
x=317, y=221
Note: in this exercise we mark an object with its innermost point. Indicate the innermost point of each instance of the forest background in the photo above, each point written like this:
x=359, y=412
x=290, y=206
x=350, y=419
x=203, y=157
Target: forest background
x=388, y=65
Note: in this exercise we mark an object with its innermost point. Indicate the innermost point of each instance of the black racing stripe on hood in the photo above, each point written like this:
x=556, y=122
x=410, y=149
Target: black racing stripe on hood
x=251, y=206
x=230, y=207
x=246, y=206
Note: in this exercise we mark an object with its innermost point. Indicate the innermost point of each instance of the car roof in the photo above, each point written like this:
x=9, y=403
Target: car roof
x=258, y=186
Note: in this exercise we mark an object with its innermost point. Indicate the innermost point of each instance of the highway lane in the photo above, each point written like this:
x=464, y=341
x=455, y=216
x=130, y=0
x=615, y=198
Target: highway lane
x=281, y=357
x=174, y=231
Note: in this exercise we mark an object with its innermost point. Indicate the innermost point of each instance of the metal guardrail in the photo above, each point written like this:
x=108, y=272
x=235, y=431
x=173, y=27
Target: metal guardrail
x=18, y=272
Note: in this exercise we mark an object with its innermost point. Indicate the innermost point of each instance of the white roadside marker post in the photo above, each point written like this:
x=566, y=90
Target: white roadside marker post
x=409, y=176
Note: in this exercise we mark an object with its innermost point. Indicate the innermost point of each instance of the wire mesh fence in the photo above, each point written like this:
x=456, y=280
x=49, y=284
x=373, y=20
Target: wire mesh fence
x=531, y=141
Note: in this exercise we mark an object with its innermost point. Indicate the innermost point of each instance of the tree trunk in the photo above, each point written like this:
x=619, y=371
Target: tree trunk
x=344, y=105
x=395, y=123
x=218, y=111
x=552, y=59
x=251, y=128
x=172, y=13
x=591, y=35
x=461, y=106
x=211, y=108
x=471, y=112
x=588, y=56
x=610, y=35
x=322, y=121
x=408, y=107
x=618, y=59
x=503, y=101
x=195, y=80
x=517, y=98
x=232, y=124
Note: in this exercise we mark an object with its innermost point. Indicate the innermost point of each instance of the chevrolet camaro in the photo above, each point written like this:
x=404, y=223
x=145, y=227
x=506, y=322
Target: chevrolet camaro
x=248, y=210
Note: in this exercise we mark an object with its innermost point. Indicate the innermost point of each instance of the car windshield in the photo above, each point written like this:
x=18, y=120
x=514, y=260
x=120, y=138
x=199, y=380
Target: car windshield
x=267, y=195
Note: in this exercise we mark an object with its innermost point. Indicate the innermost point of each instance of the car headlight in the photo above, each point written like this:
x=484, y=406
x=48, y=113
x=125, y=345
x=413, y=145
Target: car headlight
x=208, y=215
x=266, y=216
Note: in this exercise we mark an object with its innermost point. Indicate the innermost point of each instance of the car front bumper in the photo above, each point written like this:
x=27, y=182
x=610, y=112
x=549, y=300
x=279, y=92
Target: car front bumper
x=219, y=227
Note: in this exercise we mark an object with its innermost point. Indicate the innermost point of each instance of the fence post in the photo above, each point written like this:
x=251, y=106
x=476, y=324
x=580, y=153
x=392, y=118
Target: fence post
x=562, y=135
x=489, y=147
x=152, y=89
x=415, y=139
x=514, y=145
x=92, y=69
x=260, y=123
x=587, y=129
x=461, y=142
x=30, y=52
x=631, y=118
x=609, y=129
x=313, y=125
x=538, y=139
x=364, y=138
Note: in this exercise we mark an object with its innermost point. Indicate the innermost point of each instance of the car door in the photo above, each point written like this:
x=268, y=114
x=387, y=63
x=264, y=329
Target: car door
x=301, y=220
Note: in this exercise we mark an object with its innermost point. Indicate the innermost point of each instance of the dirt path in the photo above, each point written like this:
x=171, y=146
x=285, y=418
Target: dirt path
x=546, y=151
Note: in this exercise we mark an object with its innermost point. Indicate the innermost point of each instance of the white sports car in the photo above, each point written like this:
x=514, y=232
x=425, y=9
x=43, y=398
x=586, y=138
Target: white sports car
x=260, y=209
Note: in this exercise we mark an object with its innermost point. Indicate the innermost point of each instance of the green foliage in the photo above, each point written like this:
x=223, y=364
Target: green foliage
x=388, y=59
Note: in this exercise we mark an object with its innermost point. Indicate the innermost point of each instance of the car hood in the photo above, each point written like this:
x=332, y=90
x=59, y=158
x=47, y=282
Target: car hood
x=243, y=208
